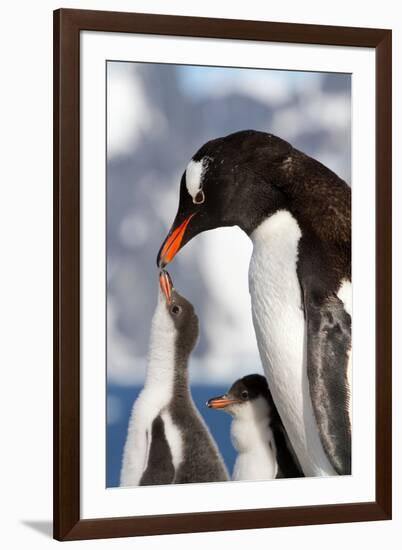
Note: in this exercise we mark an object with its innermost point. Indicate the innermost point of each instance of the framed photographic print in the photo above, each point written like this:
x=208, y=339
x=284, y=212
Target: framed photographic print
x=216, y=184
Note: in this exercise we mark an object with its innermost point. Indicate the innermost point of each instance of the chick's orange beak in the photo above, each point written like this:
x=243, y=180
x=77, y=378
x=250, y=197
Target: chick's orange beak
x=221, y=402
x=172, y=243
x=166, y=285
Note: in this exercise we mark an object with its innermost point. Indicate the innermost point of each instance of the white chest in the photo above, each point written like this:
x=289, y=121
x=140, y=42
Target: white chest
x=280, y=330
x=254, y=442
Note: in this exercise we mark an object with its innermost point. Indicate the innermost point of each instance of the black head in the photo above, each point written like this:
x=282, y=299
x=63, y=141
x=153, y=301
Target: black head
x=182, y=313
x=245, y=390
x=229, y=181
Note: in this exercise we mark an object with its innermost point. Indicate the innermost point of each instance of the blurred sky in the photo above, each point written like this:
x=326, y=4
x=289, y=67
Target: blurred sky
x=157, y=117
x=273, y=86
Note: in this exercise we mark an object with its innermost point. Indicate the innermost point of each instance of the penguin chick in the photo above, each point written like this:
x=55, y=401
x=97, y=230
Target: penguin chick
x=167, y=440
x=257, y=433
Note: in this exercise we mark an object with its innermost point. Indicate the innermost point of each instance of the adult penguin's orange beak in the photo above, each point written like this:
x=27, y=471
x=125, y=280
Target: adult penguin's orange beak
x=173, y=242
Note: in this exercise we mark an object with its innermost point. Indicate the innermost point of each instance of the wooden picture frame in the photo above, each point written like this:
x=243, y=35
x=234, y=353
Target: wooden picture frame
x=68, y=524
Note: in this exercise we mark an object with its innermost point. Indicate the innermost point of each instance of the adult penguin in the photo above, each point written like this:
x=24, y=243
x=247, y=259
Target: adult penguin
x=297, y=213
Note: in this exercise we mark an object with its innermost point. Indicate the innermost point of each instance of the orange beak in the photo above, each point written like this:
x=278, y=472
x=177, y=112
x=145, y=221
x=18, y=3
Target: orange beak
x=221, y=402
x=173, y=243
x=166, y=285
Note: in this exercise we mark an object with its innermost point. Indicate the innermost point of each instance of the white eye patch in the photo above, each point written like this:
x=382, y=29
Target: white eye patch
x=194, y=173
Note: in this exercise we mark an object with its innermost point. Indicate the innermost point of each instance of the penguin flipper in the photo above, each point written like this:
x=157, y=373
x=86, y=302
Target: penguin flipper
x=328, y=348
x=159, y=468
x=288, y=464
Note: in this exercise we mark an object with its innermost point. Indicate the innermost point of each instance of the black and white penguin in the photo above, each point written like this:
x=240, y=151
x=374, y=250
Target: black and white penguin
x=297, y=213
x=257, y=432
x=167, y=440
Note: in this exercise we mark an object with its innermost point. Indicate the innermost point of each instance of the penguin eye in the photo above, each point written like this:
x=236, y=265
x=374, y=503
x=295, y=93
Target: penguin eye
x=199, y=198
x=175, y=310
x=244, y=394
